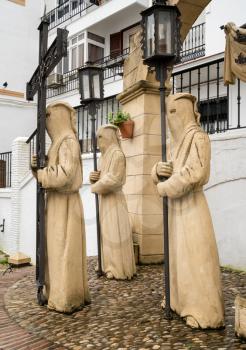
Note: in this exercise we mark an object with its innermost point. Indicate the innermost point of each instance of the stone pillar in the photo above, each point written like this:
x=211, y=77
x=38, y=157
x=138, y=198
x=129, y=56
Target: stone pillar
x=20, y=167
x=142, y=101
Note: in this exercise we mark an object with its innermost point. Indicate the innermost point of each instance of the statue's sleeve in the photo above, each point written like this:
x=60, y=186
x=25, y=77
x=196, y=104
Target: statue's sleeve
x=113, y=179
x=193, y=174
x=62, y=174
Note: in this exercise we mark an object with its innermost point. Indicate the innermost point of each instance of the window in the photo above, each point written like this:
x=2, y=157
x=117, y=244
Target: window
x=214, y=114
x=95, y=47
x=63, y=65
x=115, y=44
x=128, y=35
x=95, y=53
x=77, y=51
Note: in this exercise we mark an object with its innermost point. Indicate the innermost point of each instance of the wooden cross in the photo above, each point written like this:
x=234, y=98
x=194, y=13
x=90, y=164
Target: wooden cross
x=48, y=59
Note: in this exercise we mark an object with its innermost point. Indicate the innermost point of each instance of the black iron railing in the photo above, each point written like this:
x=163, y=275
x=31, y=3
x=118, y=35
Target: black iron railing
x=193, y=47
x=107, y=106
x=70, y=81
x=32, y=141
x=194, y=44
x=219, y=105
x=110, y=104
x=113, y=60
x=67, y=10
x=5, y=169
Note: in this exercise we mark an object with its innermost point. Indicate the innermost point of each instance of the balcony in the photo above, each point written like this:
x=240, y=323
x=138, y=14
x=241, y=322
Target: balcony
x=74, y=9
x=221, y=107
x=113, y=67
x=194, y=44
x=67, y=10
x=193, y=47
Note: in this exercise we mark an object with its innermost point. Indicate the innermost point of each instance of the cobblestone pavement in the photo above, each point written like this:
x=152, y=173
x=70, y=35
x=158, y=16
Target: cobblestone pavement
x=12, y=336
x=123, y=315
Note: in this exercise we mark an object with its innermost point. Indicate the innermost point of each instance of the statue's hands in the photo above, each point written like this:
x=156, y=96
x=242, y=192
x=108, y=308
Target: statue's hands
x=94, y=176
x=39, y=175
x=164, y=169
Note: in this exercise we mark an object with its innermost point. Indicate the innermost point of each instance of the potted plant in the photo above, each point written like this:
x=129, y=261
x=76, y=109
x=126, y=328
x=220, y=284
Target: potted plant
x=124, y=122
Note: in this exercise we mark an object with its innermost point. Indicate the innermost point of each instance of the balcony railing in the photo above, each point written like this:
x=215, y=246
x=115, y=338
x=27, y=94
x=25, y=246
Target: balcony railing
x=5, y=169
x=110, y=104
x=193, y=47
x=194, y=44
x=67, y=10
x=113, y=67
x=113, y=60
x=220, y=106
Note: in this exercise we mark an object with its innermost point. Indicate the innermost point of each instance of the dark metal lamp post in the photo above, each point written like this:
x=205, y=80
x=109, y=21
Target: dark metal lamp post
x=91, y=93
x=161, y=47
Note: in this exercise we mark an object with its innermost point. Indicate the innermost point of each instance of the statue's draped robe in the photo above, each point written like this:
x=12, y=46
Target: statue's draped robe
x=235, y=54
x=117, y=243
x=194, y=264
x=66, y=268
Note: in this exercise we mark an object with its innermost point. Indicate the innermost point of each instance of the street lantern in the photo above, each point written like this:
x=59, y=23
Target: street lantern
x=90, y=84
x=161, y=47
x=91, y=93
x=161, y=33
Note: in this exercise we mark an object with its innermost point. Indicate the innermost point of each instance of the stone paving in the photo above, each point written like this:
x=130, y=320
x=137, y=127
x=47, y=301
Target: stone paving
x=12, y=336
x=123, y=315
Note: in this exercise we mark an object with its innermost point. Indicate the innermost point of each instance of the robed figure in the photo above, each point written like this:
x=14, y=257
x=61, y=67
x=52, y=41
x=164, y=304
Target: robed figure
x=195, y=282
x=117, y=244
x=66, y=287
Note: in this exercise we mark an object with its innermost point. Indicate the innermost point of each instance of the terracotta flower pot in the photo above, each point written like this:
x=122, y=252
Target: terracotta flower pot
x=126, y=129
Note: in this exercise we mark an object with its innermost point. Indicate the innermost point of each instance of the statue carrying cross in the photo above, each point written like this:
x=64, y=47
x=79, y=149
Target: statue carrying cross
x=48, y=60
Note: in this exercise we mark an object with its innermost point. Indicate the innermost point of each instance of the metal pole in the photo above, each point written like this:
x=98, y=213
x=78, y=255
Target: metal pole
x=92, y=111
x=40, y=235
x=162, y=75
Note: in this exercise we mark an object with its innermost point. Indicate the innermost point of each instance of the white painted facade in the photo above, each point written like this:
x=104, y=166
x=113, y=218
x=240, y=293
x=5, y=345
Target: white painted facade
x=20, y=45
x=224, y=192
x=18, y=205
x=19, y=57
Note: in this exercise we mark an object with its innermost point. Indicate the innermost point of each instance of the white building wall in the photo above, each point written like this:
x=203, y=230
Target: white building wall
x=27, y=242
x=19, y=58
x=5, y=213
x=219, y=13
x=20, y=167
x=226, y=194
x=19, y=42
x=18, y=207
x=16, y=118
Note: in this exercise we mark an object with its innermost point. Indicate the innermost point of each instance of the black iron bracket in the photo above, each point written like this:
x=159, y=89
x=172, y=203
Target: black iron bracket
x=2, y=226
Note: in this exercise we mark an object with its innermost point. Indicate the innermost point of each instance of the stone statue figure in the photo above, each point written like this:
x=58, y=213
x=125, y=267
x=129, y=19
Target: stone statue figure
x=195, y=284
x=117, y=244
x=66, y=285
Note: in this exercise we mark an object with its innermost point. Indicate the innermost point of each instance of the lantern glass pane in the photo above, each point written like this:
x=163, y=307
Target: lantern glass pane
x=86, y=85
x=96, y=85
x=150, y=35
x=164, y=33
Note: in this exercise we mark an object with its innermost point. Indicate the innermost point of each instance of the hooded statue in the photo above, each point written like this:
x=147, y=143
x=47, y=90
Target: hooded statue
x=66, y=286
x=117, y=244
x=195, y=282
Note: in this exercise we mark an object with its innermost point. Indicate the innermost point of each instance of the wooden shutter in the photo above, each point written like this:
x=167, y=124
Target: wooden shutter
x=116, y=44
x=2, y=173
